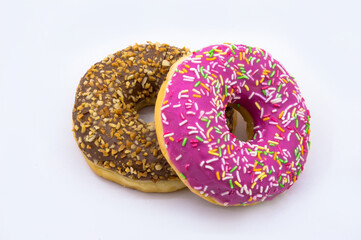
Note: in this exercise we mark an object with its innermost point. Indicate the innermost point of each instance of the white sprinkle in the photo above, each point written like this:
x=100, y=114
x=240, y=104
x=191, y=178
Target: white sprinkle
x=196, y=106
x=202, y=163
x=168, y=135
x=225, y=193
x=199, y=127
x=190, y=113
x=192, y=132
x=179, y=157
x=164, y=107
x=176, y=106
x=250, y=96
x=182, y=123
x=209, y=167
x=212, y=160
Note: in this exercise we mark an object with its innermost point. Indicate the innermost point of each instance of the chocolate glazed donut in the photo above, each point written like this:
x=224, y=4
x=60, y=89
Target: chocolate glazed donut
x=115, y=142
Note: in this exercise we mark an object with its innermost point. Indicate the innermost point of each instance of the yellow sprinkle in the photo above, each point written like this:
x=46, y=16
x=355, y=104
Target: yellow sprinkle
x=250, y=199
x=209, y=130
x=281, y=129
x=232, y=91
x=240, y=56
x=279, y=163
x=220, y=76
x=181, y=72
x=214, y=75
x=253, y=185
x=218, y=177
x=199, y=56
x=171, y=138
x=218, y=50
x=186, y=65
x=213, y=153
x=259, y=156
x=232, y=147
x=238, y=184
x=240, y=74
x=261, y=81
x=229, y=151
x=276, y=143
x=266, y=119
x=184, y=70
x=285, y=179
x=281, y=114
x=257, y=105
x=263, y=176
x=275, y=156
x=205, y=87
x=223, y=97
x=293, y=112
x=223, y=174
x=256, y=82
x=165, y=102
x=260, y=147
x=302, y=150
x=284, y=80
x=245, y=58
x=246, y=87
x=211, y=59
x=291, y=81
x=197, y=96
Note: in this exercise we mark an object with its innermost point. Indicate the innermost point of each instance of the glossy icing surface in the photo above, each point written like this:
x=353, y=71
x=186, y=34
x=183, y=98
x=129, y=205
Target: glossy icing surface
x=198, y=142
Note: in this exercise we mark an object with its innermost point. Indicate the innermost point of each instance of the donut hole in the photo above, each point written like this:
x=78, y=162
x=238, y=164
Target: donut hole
x=145, y=110
x=244, y=127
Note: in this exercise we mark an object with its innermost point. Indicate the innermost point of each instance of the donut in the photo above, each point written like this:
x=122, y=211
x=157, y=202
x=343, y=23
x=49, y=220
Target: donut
x=207, y=157
x=115, y=142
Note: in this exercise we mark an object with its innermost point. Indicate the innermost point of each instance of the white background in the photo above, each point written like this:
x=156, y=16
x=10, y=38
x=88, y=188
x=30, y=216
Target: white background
x=47, y=191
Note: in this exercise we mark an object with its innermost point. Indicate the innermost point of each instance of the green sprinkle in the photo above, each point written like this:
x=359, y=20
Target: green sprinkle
x=233, y=47
x=281, y=185
x=279, y=88
x=274, y=65
x=233, y=169
x=270, y=171
x=282, y=161
x=298, y=155
x=243, y=76
x=200, y=139
x=296, y=151
x=225, y=90
x=176, y=70
x=255, y=135
x=279, y=179
x=219, y=114
x=271, y=144
x=204, y=119
x=309, y=144
x=204, y=76
x=184, y=142
x=264, y=92
x=298, y=137
x=183, y=176
x=257, y=61
x=296, y=123
x=233, y=52
x=225, y=137
x=260, y=163
x=197, y=84
x=209, y=122
x=299, y=164
x=238, y=105
x=218, y=141
x=250, y=49
x=249, y=150
x=219, y=151
x=269, y=82
x=211, y=53
x=230, y=59
x=230, y=183
x=261, y=52
x=250, y=58
x=299, y=171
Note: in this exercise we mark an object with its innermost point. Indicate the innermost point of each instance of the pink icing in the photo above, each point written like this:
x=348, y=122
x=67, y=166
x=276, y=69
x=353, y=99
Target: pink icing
x=197, y=139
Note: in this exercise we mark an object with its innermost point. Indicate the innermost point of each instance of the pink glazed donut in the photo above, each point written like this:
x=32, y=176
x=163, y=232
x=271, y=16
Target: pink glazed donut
x=194, y=138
